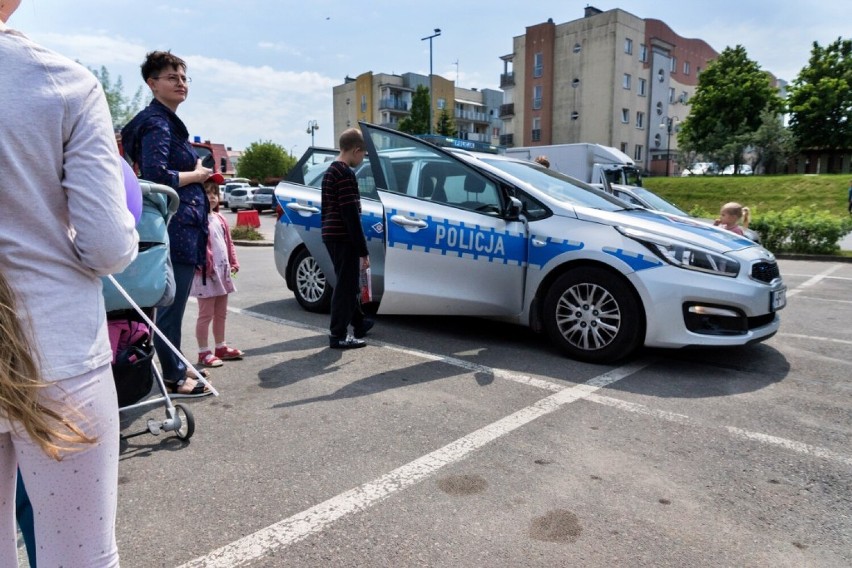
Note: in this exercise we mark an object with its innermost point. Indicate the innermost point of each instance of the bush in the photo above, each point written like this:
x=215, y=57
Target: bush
x=245, y=233
x=800, y=230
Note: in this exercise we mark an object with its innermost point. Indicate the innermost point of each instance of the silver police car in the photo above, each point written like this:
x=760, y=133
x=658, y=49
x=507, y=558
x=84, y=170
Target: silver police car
x=463, y=233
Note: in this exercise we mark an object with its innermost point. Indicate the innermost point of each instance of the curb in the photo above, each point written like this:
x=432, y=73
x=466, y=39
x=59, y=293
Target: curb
x=817, y=257
x=263, y=243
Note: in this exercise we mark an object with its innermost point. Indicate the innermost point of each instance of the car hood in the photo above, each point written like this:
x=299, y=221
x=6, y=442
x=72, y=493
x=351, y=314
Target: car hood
x=668, y=227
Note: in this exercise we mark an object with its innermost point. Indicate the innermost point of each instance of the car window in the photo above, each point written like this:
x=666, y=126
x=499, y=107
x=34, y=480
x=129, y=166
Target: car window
x=624, y=196
x=555, y=184
x=420, y=170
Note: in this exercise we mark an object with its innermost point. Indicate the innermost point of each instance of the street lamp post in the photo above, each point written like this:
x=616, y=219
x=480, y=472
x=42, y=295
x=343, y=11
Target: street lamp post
x=312, y=127
x=291, y=150
x=670, y=127
x=436, y=34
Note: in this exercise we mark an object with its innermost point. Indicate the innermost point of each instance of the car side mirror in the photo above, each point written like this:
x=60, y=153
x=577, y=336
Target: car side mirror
x=514, y=208
x=207, y=161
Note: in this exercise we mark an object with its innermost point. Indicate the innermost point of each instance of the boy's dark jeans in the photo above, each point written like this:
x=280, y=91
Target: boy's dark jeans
x=344, y=299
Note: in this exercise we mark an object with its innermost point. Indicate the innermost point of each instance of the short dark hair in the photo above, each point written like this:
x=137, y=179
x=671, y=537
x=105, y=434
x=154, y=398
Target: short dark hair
x=351, y=139
x=156, y=61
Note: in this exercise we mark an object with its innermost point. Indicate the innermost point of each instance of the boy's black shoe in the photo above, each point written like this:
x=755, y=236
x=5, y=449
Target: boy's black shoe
x=362, y=330
x=347, y=342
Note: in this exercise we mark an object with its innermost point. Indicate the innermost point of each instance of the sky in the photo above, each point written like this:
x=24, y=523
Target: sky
x=262, y=69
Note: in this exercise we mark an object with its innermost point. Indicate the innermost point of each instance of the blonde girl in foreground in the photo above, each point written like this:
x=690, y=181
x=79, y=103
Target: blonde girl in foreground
x=733, y=217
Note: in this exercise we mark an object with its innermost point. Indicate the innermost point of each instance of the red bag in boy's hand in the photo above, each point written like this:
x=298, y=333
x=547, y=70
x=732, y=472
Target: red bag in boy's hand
x=366, y=286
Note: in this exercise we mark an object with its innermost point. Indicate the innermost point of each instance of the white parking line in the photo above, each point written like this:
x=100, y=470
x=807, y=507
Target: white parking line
x=317, y=518
x=814, y=280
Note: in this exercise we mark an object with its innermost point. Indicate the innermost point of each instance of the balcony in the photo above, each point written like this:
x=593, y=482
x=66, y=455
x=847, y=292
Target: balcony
x=393, y=104
x=507, y=110
x=507, y=80
x=472, y=115
x=507, y=139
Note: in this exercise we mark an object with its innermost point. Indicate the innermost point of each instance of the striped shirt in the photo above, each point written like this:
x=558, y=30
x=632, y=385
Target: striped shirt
x=341, y=207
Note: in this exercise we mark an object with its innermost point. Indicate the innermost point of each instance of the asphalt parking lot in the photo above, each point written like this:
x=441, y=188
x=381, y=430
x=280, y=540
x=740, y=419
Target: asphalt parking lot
x=462, y=442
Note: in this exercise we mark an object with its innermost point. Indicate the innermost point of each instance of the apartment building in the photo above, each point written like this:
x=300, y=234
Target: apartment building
x=609, y=78
x=385, y=99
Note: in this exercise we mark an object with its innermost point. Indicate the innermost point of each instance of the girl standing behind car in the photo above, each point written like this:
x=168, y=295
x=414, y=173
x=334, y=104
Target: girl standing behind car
x=731, y=216
x=213, y=283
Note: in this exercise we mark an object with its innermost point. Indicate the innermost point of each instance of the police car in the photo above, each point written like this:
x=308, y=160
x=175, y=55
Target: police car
x=461, y=233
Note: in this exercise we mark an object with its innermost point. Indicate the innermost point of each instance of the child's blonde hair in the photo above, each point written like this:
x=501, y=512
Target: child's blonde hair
x=741, y=213
x=20, y=383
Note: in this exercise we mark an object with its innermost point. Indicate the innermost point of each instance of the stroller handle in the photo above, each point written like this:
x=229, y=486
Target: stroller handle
x=172, y=198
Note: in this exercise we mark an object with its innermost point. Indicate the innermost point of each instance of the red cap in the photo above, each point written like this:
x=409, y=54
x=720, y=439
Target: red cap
x=217, y=178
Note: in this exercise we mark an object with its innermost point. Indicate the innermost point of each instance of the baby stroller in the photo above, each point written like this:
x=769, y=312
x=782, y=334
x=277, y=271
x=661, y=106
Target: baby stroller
x=131, y=298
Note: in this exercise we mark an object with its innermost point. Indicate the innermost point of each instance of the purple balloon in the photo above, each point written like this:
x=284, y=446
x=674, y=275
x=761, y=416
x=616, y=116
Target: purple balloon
x=132, y=190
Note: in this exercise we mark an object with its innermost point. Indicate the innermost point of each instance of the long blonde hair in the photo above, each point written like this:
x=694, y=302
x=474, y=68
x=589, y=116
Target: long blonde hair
x=21, y=383
x=743, y=214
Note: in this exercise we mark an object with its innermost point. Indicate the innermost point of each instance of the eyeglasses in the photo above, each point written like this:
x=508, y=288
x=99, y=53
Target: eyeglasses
x=175, y=79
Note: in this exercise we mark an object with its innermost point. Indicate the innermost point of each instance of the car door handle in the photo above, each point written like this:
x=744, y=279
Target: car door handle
x=538, y=242
x=409, y=223
x=303, y=209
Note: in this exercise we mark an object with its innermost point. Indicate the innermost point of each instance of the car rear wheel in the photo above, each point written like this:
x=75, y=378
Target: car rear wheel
x=309, y=283
x=592, y=315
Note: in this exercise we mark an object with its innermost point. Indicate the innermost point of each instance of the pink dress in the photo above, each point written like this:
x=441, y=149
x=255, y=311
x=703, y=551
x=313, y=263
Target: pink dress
x=221, y=257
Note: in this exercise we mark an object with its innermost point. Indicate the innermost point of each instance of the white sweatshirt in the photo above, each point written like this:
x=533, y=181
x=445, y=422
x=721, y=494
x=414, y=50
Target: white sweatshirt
x=63, y=215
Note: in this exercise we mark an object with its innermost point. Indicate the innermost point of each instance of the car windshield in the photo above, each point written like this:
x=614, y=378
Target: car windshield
x=658, y=203
x=555, y=184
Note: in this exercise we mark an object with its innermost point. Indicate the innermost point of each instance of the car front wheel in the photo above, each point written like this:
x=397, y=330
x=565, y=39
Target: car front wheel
x=309, y=284
x=592, y=315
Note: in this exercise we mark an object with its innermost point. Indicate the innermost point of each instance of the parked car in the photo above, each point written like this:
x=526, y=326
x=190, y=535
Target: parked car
x=650, y=200
x=742, y=169
x=262, y=198
x=226, y=192
x=467, y=234
x=240, y=198
x=701, y=169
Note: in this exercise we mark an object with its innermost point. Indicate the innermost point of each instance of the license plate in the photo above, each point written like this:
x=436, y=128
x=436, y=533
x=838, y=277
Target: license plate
x=777, y=299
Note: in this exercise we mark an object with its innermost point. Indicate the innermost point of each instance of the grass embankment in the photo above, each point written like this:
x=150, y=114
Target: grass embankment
x=760, y=194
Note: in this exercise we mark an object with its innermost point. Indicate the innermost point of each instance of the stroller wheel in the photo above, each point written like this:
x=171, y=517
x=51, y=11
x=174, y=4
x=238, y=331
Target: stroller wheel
x=187, y=422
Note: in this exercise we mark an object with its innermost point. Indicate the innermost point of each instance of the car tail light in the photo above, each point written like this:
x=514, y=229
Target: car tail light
x=278, y=211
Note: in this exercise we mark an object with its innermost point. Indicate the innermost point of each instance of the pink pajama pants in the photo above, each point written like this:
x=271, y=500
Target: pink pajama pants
x=213, y=309
x=74, y=500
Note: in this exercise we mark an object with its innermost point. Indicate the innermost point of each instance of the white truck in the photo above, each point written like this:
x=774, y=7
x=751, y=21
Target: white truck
x=586, y=162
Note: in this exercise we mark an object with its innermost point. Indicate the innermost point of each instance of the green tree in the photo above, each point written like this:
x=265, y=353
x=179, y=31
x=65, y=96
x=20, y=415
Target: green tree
x=726, y=109
x=265, y=162
x=121, y=108
x=418, y=121
x=446, y=125
x=771, y=144
x=820, y=98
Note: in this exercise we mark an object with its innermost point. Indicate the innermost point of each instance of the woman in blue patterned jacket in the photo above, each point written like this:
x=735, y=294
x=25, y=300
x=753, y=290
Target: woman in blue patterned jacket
x=158, y=142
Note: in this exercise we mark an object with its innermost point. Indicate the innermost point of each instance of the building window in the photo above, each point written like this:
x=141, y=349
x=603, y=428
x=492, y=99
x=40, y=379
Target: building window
x=538, y=64
x=683, y=97
x=643, y=53
x=575, y=115
x=686, y=67
x=575, y=83
x=537, y=92
x=442, y=104
x=624, y=147
x=673, y=65
x=697, y=71
x=363, y=103
x=625, y=81
x=642, y=87
x=628, y=46
x=658, y=140
x=640, y=119
x=671, y=95
x=625, y=115
x=536, y=129
x=661, y=75
x=659, y=108
x=637, y=153
x=577, y=48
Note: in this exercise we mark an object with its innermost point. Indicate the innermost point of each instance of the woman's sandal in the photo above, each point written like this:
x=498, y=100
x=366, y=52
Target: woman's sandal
x=188, y=388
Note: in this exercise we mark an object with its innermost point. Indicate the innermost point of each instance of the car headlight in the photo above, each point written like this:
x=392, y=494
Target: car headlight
x=683, y=255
